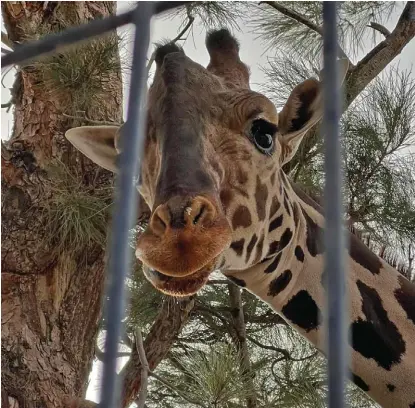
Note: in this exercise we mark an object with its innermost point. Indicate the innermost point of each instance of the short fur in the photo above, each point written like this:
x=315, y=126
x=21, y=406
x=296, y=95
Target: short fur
x=219, y=203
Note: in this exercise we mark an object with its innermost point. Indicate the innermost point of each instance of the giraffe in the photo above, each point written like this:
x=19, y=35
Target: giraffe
x=212, y=176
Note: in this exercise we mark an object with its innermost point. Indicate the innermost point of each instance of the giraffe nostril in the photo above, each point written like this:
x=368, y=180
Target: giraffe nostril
x=160, y=220
x=199, y=215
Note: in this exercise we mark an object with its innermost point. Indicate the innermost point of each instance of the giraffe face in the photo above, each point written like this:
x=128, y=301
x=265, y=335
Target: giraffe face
x=205, y=150
x=213, y=153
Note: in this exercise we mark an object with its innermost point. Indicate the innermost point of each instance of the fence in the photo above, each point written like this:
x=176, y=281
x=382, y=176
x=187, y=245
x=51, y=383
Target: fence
x=126, y=197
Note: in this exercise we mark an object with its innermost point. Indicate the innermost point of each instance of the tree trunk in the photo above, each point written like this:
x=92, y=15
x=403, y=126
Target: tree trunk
x=51, y=295
x=239, y=338
x=381, y=56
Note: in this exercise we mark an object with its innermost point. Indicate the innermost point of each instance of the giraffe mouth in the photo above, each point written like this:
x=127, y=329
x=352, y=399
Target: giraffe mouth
x=179, y=286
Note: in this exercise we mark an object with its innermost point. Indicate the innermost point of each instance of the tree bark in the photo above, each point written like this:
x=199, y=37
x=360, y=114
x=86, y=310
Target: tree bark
x=50, y=300
x=382, y=55
x=172, y=317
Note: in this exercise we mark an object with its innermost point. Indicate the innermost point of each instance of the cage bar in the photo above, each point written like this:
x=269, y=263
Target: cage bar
x=125, y=209
x=55, y=42
x=334, y=232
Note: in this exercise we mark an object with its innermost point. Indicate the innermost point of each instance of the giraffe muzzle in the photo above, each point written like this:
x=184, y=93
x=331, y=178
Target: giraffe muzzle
x=185, y=236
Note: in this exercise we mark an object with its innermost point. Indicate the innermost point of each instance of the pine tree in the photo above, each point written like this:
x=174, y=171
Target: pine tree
x=223, y=347
x=54, y=207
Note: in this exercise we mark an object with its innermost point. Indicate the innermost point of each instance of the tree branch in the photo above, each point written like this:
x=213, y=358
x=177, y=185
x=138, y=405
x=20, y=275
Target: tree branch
x=269, y=318
x=173, y=315
x=294, y=15
x=99, y=354
x=376, y=60
x=301, y=19
x=379, y=27
x=141, y=401
x=179, y=36
x=205, y=309
x=284, y=352
x=240, y=342
x=6, y=40
x=175, y=390
x=217, y=282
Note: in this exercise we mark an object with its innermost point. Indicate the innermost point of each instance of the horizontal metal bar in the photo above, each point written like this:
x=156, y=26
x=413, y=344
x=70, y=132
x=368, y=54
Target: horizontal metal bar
x=335, y=239
x=72, y=35
x=126, y=206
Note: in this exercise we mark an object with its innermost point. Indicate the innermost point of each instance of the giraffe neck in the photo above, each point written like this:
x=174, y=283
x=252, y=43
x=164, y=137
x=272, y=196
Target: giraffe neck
x=381, y=302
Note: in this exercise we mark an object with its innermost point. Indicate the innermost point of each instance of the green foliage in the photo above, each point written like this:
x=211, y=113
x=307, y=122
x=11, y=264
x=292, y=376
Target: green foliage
x=76, y=215
x=80, y=76
x=211, y=14
x=283, y=33
x=284, y=72
x=208, y=378
x=301, y=383
x=377, y=135
x=378, y=129
x=145, y=300
x=214, y=376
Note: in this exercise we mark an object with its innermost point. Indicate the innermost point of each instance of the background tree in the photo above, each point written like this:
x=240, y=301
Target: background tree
x=222, y=348
x=54, y=207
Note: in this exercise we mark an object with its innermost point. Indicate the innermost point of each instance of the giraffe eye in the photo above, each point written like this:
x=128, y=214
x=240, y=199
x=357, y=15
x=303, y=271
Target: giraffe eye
x=262, y=133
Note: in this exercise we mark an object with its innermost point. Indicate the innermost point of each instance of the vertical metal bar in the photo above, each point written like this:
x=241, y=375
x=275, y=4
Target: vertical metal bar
x=125, y=206
x=334, y=228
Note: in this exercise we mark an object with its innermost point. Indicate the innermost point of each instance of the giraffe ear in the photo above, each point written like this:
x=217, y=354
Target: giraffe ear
x=303, y=109
x=98, y=143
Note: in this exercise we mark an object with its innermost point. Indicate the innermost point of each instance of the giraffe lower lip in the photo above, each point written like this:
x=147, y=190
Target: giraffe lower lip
x=178, y=286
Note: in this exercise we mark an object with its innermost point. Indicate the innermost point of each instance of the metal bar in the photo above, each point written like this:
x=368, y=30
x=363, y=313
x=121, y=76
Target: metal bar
x=334, y=229
x=72, y=35
x=126, y=205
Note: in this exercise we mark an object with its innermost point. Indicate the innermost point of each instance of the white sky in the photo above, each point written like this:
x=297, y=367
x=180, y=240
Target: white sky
x=252, y=53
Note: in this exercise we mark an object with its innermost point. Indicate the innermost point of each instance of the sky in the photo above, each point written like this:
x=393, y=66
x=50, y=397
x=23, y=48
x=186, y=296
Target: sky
x=252, y=52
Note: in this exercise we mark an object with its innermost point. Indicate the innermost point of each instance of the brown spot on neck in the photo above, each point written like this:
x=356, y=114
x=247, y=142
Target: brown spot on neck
x=405, y=295
x=250, y=247
x=259, y=250
x=241, y=217
x=358, y=251
x=238, y=246
x=314, y=239
x=377, y=330
x=361, y=254
x=280, y=283
x=275, y=206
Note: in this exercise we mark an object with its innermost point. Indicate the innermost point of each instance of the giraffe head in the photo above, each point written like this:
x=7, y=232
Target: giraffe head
x=210, y=171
